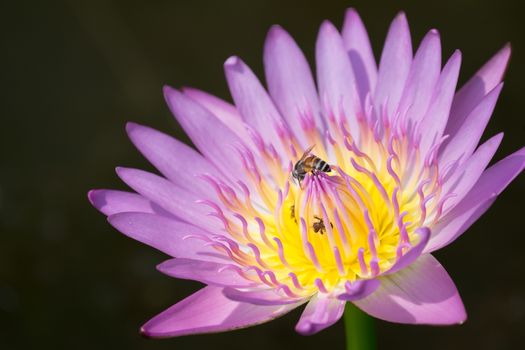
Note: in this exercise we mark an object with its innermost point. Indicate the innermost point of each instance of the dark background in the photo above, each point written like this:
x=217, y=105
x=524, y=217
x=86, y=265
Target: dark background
x=72, y=74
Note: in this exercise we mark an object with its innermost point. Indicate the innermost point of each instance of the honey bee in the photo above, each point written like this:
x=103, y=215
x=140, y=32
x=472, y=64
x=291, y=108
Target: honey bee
x=309, y=163
x=318, y=226
x=292, y=213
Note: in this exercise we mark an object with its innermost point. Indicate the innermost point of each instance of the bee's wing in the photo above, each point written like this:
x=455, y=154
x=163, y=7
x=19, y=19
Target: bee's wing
x=292, y=179
x=307, y=152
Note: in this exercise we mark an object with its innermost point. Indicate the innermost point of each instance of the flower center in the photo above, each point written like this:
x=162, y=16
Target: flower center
x=353, y=222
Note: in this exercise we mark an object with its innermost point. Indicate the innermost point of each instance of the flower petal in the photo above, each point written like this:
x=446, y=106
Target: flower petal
x=290, y=81
x=422, y=293
x=491, y=183
x=422, y=78
x=216, y=141
x=435, y=120
x=260, y=296
x=111, y=202
x=321, y=312
x=357, y=45
x=464, y=142
x=336, y=80
x=464, y=178
x=253, y=102
x=394, y=66
x=473, y=92
x=175, y=199
x=224, y=111
x=413, y=253
x=167, y=235
x=359, y=289
x=207, y=272
x=178, y=162
x=209, y=311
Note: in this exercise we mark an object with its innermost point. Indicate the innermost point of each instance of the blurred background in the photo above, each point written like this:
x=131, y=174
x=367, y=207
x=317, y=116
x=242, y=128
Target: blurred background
x=73, y=72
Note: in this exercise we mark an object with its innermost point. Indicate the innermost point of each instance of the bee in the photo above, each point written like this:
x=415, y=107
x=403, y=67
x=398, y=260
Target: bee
x=318, y=226
x=292, y=213
x=309, y=163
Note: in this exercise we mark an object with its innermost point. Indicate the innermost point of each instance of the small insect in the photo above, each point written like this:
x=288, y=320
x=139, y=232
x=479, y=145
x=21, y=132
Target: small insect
x=309, y=163
x=318, y=226
x=292, y=213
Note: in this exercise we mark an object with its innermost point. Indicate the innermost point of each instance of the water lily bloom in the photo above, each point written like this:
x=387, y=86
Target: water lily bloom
x=395, y=173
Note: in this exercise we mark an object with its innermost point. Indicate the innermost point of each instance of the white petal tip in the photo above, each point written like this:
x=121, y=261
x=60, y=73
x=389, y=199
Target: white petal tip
x=232, y=62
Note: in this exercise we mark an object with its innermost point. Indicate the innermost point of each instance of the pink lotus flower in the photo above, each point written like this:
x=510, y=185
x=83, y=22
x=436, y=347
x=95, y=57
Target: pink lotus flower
x=404, y=176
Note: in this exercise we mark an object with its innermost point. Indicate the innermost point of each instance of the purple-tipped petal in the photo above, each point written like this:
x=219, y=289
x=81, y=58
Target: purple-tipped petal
x=209, y=311
x=359, y=289
x=422, y=293
x=213, y=139
x=335, y=77
x=167, y=235
x=224, y=111
x=464, y=179
x=111, y=202
x=435, y=120
x=473, y=92
x=491, y=183
x=163, y=192
x=207, y=272
x=290, y=81
x=422, y=78
x=414, y=253
x=357, y=45
x=253, y=102
x=321, y=312
x=394, y=66
x=462, y=145
x=260, y=296
x=175, y=160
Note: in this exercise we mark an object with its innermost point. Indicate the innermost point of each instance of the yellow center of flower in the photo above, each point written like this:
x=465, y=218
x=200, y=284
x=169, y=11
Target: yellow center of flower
x=348, y=224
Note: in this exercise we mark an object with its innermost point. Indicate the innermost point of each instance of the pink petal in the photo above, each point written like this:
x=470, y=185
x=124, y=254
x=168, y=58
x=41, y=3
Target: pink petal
x=290, y=81
x=321, y=312
x=167, y=235
x=207, y=272
x=414, y=252
x=224, y=111
x=216, y=141
x=464, y=178
x=337, y=86
x=209, y=311
x=422, y=293
x=464, y=142
x=178, y=162
x=176, y=200
x=357, y=44
x=260, y=296
x=422, y=78
x=472, y=93
x=359, y=289
x=253, y=103
x=394, y=65
x=491, y=183
x=111, y=202
x=435, y=120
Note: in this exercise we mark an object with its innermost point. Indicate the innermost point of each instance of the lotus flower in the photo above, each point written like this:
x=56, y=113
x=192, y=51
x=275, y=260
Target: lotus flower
x=405, y=177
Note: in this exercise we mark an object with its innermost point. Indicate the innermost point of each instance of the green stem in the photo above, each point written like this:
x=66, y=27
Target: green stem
x=359, y=329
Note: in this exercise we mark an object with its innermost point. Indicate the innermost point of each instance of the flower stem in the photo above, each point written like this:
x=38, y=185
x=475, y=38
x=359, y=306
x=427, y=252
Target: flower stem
x=359, y=329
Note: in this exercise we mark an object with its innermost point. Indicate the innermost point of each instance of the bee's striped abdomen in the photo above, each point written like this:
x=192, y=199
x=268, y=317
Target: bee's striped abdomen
x=321, y=165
